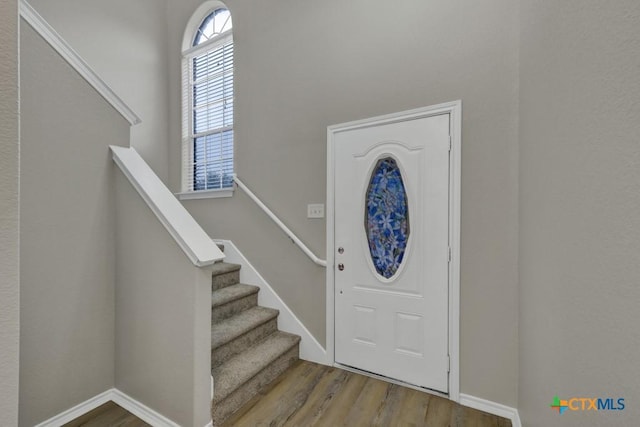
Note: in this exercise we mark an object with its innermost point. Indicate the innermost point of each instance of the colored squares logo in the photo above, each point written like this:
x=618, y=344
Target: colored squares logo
x=559, y=405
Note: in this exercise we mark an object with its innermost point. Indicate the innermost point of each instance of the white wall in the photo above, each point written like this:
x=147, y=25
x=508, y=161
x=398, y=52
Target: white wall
x=301, y=66
x=125, y=43
x=163, y=316
x=9, y=214
x=67, y=227
x=579, y=208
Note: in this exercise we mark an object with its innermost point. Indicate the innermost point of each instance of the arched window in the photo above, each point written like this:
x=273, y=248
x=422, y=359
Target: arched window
x=207, y=89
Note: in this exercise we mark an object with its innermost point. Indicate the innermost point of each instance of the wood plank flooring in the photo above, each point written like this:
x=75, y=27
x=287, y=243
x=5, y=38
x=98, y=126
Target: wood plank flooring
x=108, y=415
x=316, y=395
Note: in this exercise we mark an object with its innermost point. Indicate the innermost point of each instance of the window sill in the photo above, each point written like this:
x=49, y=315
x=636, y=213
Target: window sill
x=205, y=194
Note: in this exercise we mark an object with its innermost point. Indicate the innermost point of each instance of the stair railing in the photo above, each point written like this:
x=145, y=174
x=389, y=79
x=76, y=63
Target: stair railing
x=188, y=234
x=287, y=231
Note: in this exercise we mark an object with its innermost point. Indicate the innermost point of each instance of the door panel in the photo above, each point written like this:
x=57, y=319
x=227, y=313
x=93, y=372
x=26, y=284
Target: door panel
x=395, y=326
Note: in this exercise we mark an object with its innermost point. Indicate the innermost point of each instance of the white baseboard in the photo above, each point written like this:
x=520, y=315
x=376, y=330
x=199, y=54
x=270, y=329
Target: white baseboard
x=78, y=410
x=78, y=63
x=492, y=408
x=141, y=411
x=138, y=409
x=310, y=348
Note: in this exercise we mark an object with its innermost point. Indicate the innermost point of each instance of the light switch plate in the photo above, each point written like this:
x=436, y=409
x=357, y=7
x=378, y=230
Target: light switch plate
x=315, y=210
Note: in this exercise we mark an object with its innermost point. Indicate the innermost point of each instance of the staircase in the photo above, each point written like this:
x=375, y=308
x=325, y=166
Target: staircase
x=247, y=349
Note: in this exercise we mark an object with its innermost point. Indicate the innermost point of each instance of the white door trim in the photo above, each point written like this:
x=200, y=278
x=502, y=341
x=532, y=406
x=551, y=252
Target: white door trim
x=455, y=110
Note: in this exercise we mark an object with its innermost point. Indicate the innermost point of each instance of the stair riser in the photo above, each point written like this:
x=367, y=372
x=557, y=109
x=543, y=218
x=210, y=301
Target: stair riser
x=221, y=410
x=242, y=343
x=225, y=279
x=232, y=308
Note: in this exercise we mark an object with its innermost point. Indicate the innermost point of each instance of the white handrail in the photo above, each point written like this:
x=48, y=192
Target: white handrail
x=42, y=27
x=280, y=224
x=191, y=238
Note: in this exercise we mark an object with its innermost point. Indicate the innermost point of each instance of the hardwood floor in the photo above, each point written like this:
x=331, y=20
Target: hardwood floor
x=315, y=395
x=108, y=415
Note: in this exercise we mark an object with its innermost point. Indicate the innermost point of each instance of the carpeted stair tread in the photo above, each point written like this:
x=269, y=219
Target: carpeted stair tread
x=224, y=274
x=223, y=267
x=232, y=293
x=233, y=327
x=241, y=368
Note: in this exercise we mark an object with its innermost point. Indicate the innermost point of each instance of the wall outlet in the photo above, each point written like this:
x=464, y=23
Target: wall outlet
x=315, y=210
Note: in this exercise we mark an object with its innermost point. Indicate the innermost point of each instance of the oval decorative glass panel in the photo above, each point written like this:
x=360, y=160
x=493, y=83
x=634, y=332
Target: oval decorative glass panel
x=387, y=217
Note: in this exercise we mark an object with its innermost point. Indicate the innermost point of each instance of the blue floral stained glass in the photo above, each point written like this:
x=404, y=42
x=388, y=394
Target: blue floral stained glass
x=387, y=217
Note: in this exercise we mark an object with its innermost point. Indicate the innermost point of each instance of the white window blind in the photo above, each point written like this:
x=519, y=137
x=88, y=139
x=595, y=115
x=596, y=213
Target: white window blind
x=208, y=106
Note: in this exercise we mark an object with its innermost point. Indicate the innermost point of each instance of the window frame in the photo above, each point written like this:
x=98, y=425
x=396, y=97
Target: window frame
x=189, y=52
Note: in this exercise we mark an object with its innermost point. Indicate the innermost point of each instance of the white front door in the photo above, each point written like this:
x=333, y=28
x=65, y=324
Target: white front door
x=392, y=249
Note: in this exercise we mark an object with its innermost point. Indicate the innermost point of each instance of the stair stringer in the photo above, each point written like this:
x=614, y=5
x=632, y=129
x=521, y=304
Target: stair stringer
x=310, y=348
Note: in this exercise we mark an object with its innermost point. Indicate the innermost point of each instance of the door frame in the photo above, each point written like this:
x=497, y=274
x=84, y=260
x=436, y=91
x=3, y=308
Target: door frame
x=453, y=108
